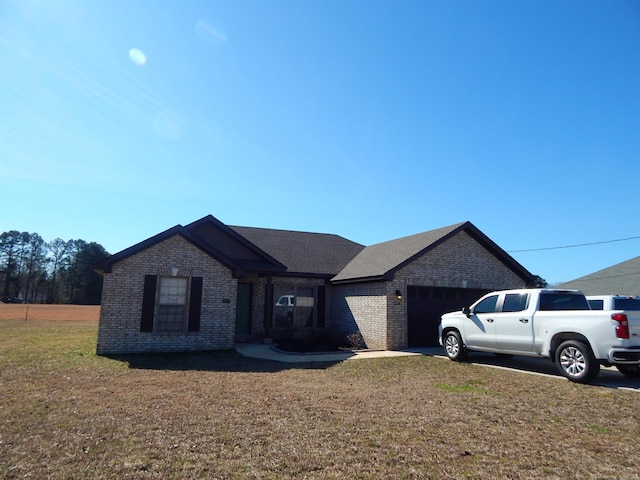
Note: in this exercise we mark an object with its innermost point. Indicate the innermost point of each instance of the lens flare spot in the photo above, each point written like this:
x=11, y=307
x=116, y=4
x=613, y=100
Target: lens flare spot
x=138, y=57
x=205, y=31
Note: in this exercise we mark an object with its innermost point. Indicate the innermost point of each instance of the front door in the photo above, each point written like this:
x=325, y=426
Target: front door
x=243, y=309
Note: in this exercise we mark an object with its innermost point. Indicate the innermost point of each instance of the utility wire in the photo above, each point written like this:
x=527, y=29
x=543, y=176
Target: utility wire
x=573, y=246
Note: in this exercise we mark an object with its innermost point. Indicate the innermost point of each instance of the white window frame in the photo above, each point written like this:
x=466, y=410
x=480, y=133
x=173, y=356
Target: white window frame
x=172, y=306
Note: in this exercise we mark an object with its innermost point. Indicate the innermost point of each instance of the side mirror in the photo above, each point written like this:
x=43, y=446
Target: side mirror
x=466, y=311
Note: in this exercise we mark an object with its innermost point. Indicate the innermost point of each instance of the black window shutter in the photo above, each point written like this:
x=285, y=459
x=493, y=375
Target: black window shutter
x=195, y=302
x=321, y=306
x=148, y=303
x=268, y=306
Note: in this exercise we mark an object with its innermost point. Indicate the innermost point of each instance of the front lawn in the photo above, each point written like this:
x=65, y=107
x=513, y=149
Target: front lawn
x=66, y=413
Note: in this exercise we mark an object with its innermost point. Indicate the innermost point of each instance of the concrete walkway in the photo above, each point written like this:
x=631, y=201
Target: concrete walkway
x=269, y=352
x=609, y=377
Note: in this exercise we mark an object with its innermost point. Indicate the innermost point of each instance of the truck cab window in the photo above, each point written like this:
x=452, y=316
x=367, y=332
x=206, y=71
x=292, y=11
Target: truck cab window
x=515, y=302
x=488, y=305
x=596, y=304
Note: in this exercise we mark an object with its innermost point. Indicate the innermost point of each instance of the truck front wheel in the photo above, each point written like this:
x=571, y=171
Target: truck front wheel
x=629, y=370
x=576, y=361
x=454, y=347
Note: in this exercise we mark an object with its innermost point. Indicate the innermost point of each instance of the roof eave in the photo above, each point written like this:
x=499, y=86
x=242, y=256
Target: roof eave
x=106, y=265
x=372, y=278
x=236, y=236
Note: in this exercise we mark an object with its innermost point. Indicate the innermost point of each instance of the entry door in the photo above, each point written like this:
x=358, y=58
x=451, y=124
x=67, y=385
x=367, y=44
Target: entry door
x=243, y=309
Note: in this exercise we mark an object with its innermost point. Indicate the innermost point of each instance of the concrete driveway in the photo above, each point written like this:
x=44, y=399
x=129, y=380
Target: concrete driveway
x=609, y=377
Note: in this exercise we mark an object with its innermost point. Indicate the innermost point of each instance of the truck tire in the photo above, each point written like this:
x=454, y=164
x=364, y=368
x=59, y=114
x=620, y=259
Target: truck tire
x=629, y=370
x=453, y=346
x=576, y=361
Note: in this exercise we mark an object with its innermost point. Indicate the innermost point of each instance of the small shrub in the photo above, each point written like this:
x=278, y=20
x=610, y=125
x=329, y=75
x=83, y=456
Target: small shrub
x=304, y=341
x=355, y=341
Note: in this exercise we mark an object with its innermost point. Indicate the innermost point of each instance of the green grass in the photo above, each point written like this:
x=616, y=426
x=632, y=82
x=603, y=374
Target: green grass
x=66, y=413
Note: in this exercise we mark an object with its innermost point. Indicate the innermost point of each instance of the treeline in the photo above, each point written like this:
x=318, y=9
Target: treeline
x=35, y=271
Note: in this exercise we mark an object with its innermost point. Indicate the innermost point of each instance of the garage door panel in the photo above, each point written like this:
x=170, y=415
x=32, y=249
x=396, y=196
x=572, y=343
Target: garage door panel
x=425, y=306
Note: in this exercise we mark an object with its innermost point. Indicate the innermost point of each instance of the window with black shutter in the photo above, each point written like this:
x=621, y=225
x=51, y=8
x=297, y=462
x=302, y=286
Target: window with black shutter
x=167, y=305
x=195, y=302
x=148, y=303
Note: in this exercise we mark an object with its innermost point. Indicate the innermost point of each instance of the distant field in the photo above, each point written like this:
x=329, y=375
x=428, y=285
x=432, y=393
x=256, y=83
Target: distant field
x=33, y=312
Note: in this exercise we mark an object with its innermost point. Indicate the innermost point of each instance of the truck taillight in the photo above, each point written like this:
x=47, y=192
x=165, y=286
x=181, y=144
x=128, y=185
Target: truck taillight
x=622, y=329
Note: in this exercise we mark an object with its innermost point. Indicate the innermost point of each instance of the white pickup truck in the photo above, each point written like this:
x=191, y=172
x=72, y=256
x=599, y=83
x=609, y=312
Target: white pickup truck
x=614, y=302
x=557, y=324
x=629, y=306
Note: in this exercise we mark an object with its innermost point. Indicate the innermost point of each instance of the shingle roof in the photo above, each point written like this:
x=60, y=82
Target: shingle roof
x=105, y=265
x=285, y=252
x=620, y=279
x=376, y=261
x=234, y=246
x=303, y=252
x=381, y=261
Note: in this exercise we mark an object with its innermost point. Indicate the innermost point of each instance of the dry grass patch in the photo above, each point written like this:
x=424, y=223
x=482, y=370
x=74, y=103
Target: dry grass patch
x=66, y=413
x=35, y=312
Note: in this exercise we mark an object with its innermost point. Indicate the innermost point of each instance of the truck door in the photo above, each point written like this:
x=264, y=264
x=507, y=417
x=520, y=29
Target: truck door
x=514, y=326
x=479, y=328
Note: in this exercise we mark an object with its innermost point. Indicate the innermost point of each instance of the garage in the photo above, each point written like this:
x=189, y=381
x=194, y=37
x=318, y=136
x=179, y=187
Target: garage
x=425, y=306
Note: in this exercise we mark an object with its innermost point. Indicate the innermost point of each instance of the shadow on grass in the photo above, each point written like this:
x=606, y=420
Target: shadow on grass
x=608, y=377
x=215, y=361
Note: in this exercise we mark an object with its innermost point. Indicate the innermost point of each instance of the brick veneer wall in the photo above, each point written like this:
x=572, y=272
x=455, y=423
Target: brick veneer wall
x=121, y=308
x=460, y=262
x=373, y=309
x=361, y=307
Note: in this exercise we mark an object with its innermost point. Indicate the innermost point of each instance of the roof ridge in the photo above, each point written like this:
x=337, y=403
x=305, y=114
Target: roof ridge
x=425, y=233
x=293, y=231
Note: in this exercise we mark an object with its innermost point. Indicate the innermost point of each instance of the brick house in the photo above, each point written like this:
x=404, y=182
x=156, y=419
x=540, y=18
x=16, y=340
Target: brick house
x=208, y=285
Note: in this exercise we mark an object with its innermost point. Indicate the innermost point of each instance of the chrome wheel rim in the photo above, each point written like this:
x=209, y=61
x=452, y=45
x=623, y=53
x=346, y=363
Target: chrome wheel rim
x=573, y=361
x=452, y=346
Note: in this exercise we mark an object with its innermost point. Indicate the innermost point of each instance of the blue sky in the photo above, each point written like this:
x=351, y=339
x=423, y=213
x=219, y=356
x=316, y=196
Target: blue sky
x=368, y=119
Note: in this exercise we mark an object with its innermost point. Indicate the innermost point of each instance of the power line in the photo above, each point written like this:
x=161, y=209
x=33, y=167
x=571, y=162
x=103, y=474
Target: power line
x=574, y=246
x=591, y=278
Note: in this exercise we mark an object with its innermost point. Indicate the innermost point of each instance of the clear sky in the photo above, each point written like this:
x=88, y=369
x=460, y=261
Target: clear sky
x=368, y=119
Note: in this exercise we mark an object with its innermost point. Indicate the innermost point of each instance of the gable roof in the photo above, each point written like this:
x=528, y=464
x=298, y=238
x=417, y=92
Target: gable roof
x=234, y=246
x=317, y=254
x=105, y=265
x=381, y=261
x=260, y=250
x=292, y=253
x=620, y=279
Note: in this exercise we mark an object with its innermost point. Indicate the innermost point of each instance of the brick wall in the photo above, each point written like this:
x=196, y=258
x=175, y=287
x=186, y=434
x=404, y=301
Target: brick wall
x=460, y=262
x=361, y=307
x=373, y=309
x=119, y=329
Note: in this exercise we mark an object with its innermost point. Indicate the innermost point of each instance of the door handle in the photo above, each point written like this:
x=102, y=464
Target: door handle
x=524, y=320
x=490, y=320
